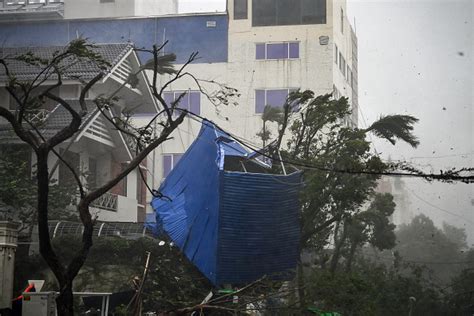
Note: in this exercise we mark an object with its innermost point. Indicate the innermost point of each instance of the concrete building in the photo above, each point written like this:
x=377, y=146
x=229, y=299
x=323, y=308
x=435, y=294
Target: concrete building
x=263, y=48
x=403, y=213
x=33, y=10
x=98, y=151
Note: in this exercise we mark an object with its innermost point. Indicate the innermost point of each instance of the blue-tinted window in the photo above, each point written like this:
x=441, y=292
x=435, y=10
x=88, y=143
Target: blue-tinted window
x=277, y=50
x=273, y=97
x=191, y=101
x=294, y=50
x=260, y=51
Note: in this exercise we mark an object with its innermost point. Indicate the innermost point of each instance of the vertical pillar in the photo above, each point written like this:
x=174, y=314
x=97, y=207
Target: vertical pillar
x=8, y=244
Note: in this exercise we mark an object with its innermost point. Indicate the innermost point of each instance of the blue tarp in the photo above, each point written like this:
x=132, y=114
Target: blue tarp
x=234, y=226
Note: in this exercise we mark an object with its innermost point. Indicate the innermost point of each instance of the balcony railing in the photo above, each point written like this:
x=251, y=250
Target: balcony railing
x=108, y=201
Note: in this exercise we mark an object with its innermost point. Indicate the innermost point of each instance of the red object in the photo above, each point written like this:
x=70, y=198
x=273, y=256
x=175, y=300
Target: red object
x=29, y=288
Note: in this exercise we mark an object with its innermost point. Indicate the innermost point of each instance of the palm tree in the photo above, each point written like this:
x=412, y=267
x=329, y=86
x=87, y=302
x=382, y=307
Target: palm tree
x=393, y=127
x=270, y=114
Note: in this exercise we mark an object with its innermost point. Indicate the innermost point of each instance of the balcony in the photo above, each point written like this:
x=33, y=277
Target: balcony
x=108, y=202
x=31, y=9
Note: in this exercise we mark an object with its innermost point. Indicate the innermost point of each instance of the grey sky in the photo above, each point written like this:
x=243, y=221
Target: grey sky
x=415, y=57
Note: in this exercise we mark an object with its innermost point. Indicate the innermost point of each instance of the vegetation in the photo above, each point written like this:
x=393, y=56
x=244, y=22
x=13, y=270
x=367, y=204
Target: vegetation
x=30, y=97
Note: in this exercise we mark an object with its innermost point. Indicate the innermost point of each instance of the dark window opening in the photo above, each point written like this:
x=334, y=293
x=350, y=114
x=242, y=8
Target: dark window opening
x=240, y=10
x=288, y=12
x=92, y=174
x=66, y=177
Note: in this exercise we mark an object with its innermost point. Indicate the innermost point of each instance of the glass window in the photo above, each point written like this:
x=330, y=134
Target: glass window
x=342, y=20
x=294, y=50
x=260, y=51
x=277, y=50
x=313, y=11
x=190, y=101
x=336, y=53
x=288, y=12
x=263, y=12
x=272, y=97
x=169, y=162
x=240, y=9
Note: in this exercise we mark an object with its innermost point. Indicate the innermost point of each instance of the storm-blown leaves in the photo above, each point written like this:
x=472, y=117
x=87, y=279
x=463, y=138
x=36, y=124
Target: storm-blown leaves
x=393, y=127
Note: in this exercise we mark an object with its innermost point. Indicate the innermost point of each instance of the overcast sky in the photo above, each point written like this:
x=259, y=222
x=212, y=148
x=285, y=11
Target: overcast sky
x=415, y=57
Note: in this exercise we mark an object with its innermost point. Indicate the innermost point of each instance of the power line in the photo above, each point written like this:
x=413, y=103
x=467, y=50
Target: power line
x=439, y=208
x=443, y=156
x=433, y=176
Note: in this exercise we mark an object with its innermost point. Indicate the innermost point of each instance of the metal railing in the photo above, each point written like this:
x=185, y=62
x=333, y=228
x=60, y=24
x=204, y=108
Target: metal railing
x=108, y=201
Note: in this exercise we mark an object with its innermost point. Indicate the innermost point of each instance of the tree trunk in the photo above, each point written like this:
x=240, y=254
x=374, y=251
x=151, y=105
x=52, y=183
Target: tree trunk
x=350, y=258
x=300, y=279
x=337, y=249
x=65, y=301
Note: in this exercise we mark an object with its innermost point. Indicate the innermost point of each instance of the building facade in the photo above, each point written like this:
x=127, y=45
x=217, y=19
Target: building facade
x=263, y=48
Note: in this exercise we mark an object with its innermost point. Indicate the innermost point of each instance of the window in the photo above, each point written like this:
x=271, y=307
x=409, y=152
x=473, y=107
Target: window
x=342, y=21
x=288, y=12
x=65, y=176
x=141, y=186
x=240, y=9
x=336, y=53
x=91, y=174
x=191, y=101
x=169, y=162
x=276, y=98
x=342, y=64
x=277, y=50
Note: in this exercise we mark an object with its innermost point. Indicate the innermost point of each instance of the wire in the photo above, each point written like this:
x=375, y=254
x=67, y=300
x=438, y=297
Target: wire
x=417, y=261
x=440, y=176
x=444, y=156
x=439, y=208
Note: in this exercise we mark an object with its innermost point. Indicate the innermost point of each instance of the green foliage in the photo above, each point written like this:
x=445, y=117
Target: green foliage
x=18, y=188
x=373, y=290
x=423, y=242
x=392, y=127
x=112, y=263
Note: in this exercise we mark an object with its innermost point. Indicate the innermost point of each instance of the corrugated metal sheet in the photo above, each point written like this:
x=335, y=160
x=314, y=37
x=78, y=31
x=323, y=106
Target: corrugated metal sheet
x=235, y=227
x=258, y=226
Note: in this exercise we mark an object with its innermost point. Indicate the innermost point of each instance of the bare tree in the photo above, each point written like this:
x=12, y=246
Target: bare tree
x=29, y=97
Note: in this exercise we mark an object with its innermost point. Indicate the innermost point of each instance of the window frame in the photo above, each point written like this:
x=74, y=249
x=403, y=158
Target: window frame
x=267, y=14
x=173, y=157
x=289, y=90
x=241, y=15
x=177, y=93
x=265, y=51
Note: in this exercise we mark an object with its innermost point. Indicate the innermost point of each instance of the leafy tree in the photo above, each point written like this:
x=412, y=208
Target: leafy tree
x=345, y=172
x=372, y=226
x=30, y=97
x=18, y=194
x=421, y=241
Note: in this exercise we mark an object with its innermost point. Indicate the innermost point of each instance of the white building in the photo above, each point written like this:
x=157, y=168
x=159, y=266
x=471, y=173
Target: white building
x=263, y=48
x=35, y=10
x=311, y=47
x=98, y=151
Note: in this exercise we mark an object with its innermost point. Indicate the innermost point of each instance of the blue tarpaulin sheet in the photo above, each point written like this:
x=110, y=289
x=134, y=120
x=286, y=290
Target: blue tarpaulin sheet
x=234, y=226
